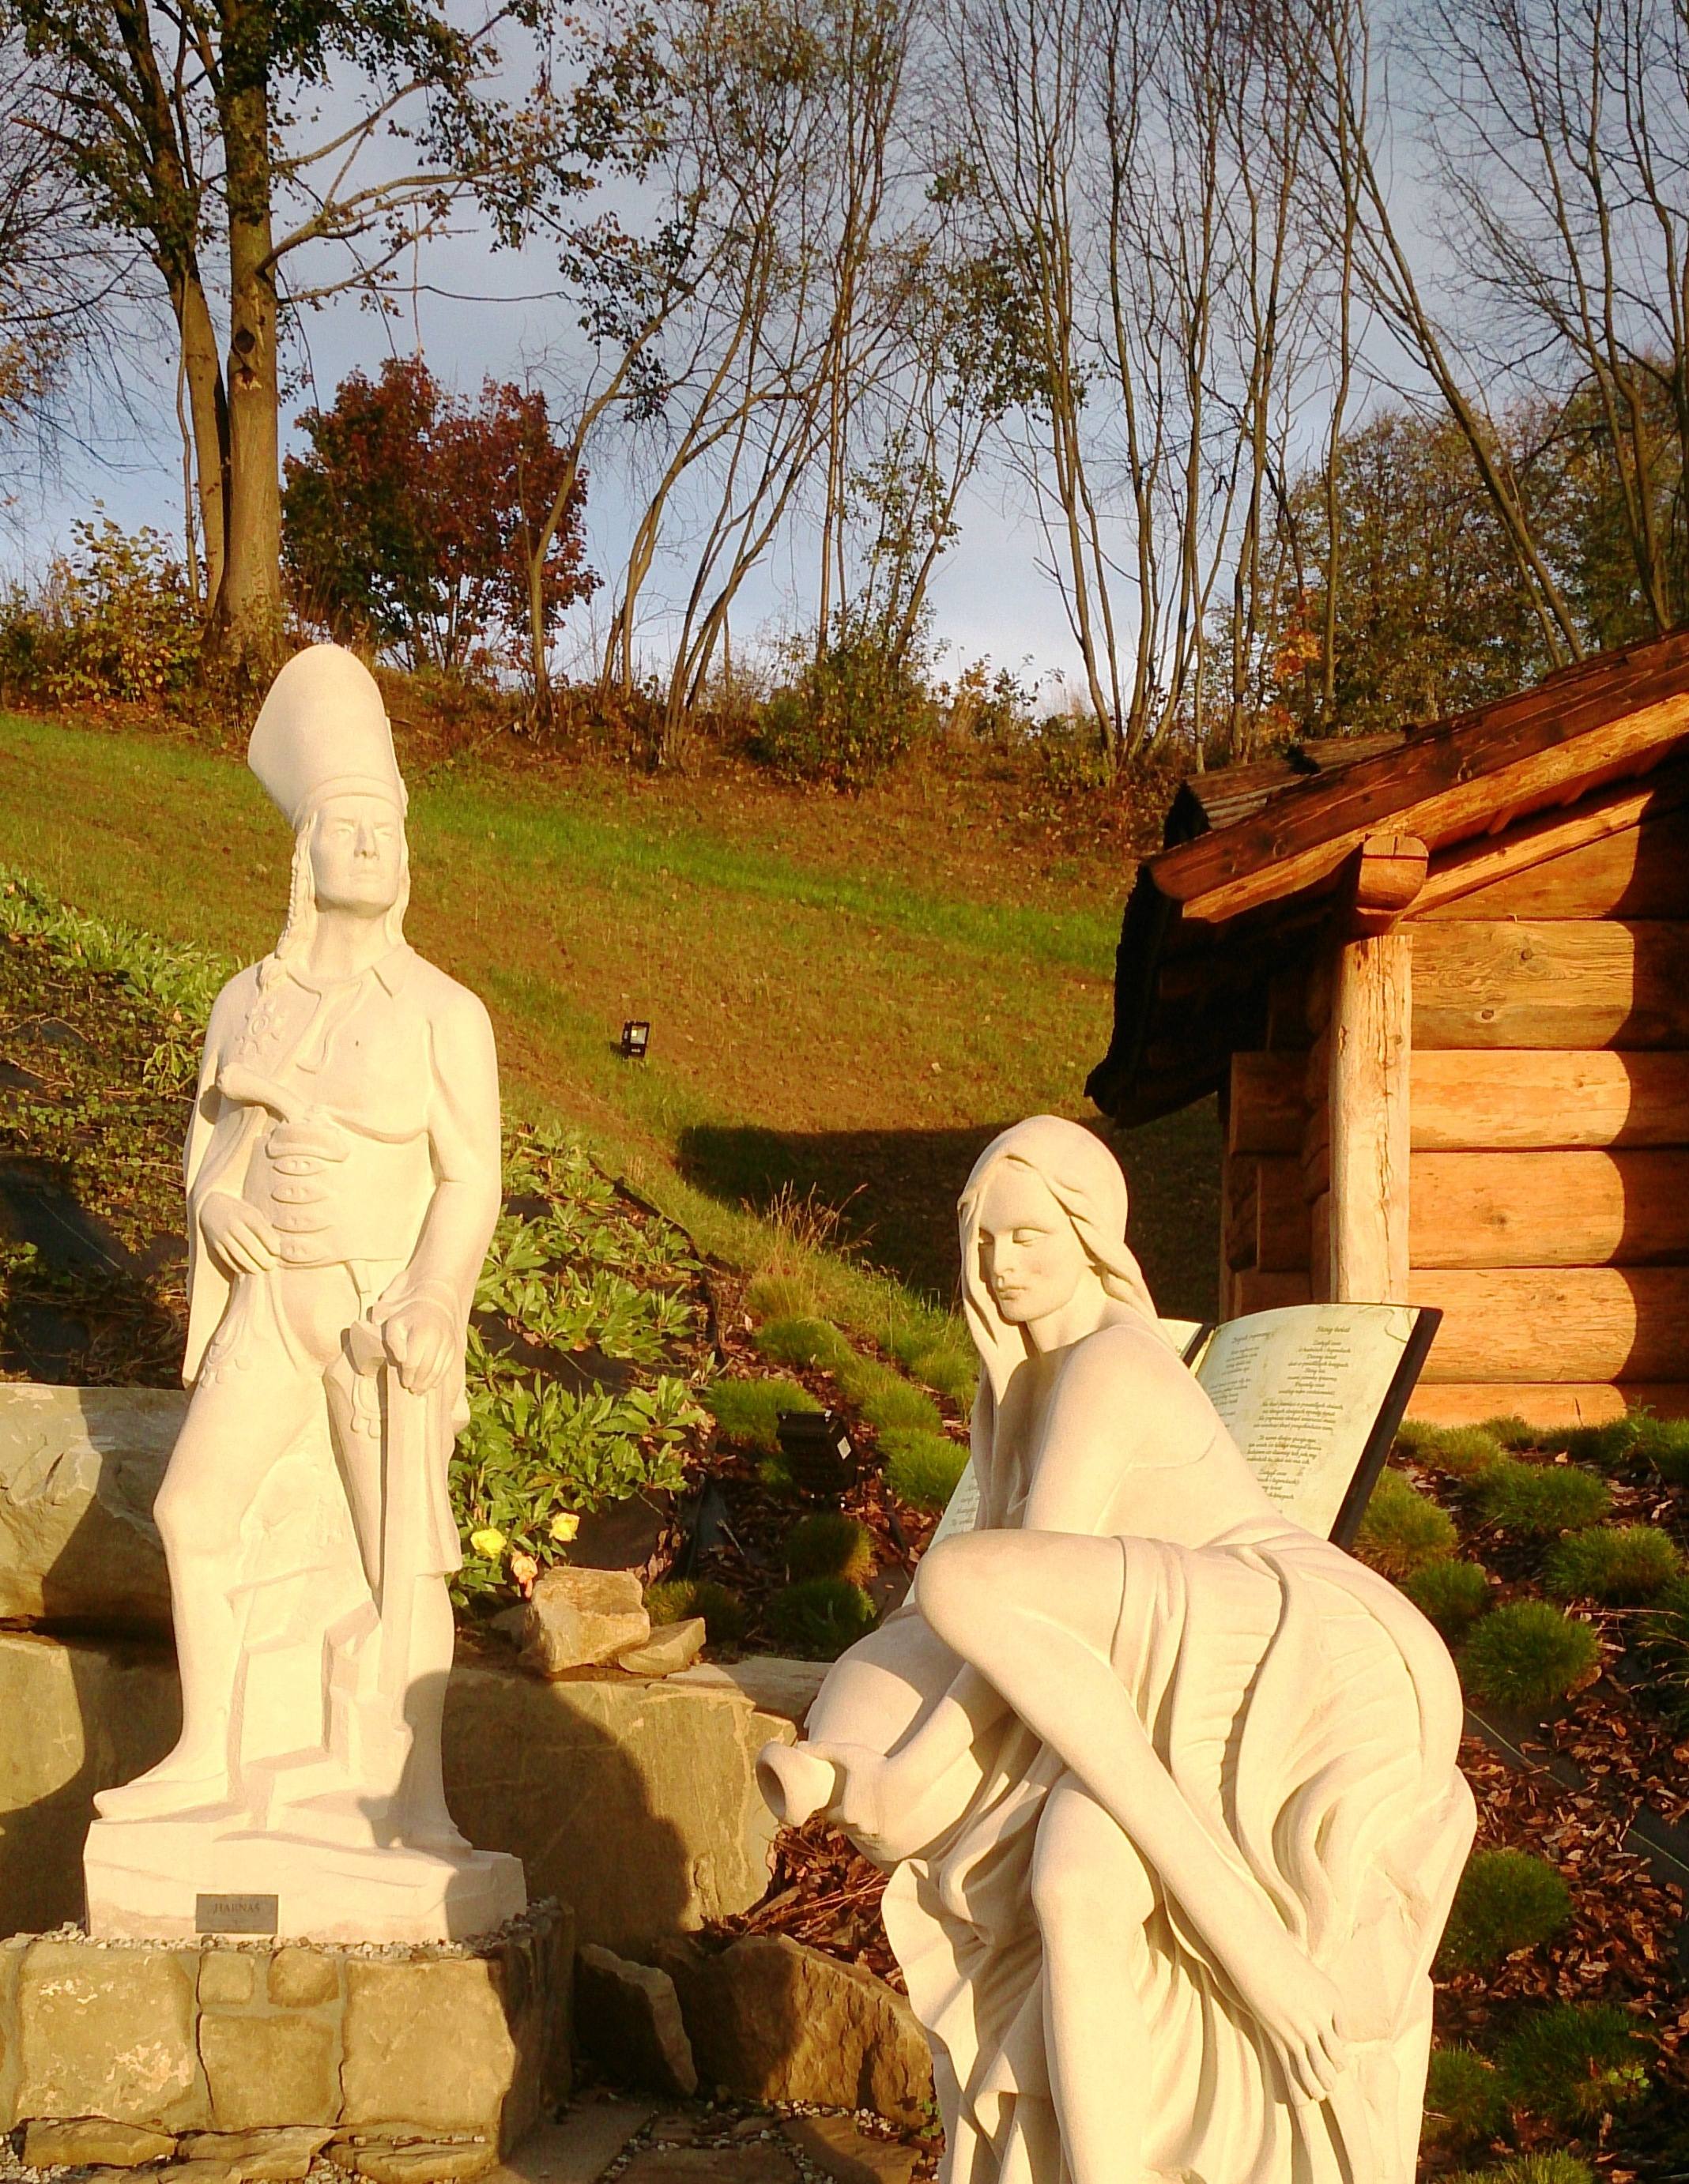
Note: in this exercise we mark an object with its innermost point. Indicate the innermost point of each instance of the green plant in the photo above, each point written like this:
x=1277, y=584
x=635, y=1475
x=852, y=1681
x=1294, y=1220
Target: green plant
x=1575, y=2062
x=1663, y=1444
x=113, y=619
x=1617, y=1565
x=1662, y=1643
x=889, y=1402
x=771, y=1295
x=748, y=1412
x=1539, y=1499
x=676, y=1599
x=1510, y=1431
x=1531, y=2168
x=815, y=1344
x=829, y=1544
x=1507, y=1901
x=952, y=1364
x=846, y=718
x=1460, y=1450
x=1450, y=1594
x=1402, y=1530
x=921, y=1467
x=1526, y=1655
x=818, y=1617
x=1610, y=1445
x=1463, y=2097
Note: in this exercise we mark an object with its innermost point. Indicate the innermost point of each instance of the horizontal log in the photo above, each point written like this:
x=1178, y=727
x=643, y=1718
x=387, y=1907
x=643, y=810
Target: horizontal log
x=1462, y=878
x=1254, y=1291
x=1472, y=1099
x=1642, y=873
x=1546, y=983
x=1281, y=1229
x=1441, y=1403
x=1541, y=1209
x=1558, y=1323
x=1267, y=1109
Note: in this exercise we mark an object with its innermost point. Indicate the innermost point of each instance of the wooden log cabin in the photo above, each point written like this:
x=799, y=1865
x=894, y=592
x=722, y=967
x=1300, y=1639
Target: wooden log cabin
x=1440, y=981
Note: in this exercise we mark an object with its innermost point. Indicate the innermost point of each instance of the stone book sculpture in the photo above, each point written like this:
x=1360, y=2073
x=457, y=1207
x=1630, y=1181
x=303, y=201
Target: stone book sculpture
x=343, y=1169
x=1166, y=1782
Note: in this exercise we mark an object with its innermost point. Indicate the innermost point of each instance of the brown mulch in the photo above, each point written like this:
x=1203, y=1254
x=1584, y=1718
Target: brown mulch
x=824, y=1893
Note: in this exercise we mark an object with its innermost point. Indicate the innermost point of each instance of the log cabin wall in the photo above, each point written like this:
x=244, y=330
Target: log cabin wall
x=1548, y=1198
x=1266, y=1256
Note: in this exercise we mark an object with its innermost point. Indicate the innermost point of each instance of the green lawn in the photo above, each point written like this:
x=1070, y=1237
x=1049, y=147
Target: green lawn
x=846, y=999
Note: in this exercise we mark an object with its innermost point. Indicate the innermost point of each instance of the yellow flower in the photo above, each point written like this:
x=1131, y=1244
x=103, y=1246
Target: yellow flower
x=564, y=1527
x=489, y=1540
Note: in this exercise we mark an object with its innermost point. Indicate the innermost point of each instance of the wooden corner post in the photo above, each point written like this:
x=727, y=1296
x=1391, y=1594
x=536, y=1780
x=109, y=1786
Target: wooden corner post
x=1371, y=1050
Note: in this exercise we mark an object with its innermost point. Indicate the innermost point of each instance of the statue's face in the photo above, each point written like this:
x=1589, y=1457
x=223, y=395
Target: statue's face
x=1031, y=1259
x=357, y=854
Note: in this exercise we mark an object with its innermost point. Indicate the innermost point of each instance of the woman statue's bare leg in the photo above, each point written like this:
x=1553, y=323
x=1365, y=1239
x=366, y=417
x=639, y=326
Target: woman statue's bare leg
x=1092, y=1896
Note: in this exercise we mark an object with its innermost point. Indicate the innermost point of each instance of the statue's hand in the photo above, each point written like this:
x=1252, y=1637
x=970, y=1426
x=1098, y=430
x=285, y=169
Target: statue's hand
x=422, y=1338
x=1295, y=2005
x=237, y=1235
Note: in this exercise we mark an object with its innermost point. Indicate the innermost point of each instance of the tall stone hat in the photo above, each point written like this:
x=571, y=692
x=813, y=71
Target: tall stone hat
x=323, y=731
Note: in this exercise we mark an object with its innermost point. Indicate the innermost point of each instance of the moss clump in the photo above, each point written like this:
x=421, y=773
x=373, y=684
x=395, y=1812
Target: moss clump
x=1507, y=1901
x=1510, y=1431
x=886, y=1400
x=1450, y=1594
x=1402, y=1530
x=747, y=1412
x=678, y=1598
x=923, y=1469
x=830, y=1544
x=1573, y=2063
x=1463, y=2098
x=1538, y=1500
x=1662, y=1640
x=1527, y=1655
x=803, y=1341
x=953, y=1367
x=1531, y=2168
x=1617, y=1564
x=1460, y=1450
x=1662, y=1443
x=818, y=1617
x=1608, y=1446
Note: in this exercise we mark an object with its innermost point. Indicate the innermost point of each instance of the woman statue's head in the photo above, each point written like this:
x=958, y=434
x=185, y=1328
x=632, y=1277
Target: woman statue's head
x=1043, y=1221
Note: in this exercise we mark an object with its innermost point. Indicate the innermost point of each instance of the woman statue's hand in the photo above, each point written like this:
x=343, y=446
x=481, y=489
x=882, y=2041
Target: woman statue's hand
x=1295, y=2005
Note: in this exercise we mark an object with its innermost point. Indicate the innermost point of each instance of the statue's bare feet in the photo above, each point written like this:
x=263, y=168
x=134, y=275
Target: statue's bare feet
x=437, y=1833
x=184, y=1782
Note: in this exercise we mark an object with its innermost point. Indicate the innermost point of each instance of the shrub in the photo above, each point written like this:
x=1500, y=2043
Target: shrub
x=748, y=1412
x=113, y=619
x=1540, y=1498
x=830, y=1544
x=1507, y=1901
x=1402, y=1530
x=818, y=1617
x=1573, y=2063
x=1662, y=1640
x=678, y=1598
x=921, y=1467
x=1663, y=1444
x=1617, y=1565
x=1531, y=2168
x=846, y=718
x=1452, y=1595
x=1527, y=1655
x=1463, y=2098
x=803, y=1341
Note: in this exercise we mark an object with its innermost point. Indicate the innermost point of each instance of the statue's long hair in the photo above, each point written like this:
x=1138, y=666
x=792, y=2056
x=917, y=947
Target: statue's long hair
x=1085, y=1180
x=301, y=907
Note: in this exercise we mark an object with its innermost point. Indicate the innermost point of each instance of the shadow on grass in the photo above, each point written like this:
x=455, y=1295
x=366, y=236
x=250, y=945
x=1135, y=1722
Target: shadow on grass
x=896, y=1191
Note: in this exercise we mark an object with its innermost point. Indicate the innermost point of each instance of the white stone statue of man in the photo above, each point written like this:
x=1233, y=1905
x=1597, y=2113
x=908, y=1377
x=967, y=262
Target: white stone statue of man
x=343, y=1170
x=1167, y=1785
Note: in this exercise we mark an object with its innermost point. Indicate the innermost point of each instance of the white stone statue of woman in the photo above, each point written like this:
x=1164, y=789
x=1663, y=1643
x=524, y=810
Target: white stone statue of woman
x=1168, y=1784
x=342, y=1172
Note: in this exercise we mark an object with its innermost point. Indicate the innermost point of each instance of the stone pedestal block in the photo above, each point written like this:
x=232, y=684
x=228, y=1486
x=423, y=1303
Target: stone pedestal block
x=468, y=2043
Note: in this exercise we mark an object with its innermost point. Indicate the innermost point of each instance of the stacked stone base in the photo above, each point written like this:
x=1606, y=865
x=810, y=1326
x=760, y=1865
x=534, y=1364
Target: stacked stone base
x=424, y=2063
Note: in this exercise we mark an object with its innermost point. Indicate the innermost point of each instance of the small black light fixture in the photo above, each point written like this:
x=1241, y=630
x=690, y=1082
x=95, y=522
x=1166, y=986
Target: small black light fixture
x=819, y=1452
x=635, y=1039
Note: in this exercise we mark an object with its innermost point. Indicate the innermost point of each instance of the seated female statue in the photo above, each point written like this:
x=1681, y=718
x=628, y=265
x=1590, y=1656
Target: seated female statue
x=1167, y=1783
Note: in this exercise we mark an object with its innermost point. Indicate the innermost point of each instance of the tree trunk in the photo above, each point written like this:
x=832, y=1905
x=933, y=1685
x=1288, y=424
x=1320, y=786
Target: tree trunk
x=251, y=616
x=207, y=411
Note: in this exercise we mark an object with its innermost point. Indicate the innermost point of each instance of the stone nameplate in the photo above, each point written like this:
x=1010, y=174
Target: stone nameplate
x=236, y=1914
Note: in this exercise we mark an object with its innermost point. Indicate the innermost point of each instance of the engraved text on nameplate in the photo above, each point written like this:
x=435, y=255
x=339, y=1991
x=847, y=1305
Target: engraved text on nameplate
x=236, y=1914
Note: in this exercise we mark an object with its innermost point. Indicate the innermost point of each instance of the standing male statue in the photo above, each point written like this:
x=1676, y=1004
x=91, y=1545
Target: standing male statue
x=342, y=1182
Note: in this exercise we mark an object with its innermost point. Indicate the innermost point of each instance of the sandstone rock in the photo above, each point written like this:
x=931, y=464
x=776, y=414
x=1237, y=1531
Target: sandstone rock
x=710, y=2164
x=87, y=2141
x=301, y=1979
x=772, y=1683
x=427, y=2043
x=268, y=2072
x=670, y=1648
x=773, y=2021
x=425, y=2162
x=849, y=2156
x=628, y=2018
x=108, y=2032
x=578, y=1618
x=635, y=1803
x=261, y=2157
x=79, y=1467
x=227, y=1978
x=98, y=1714
x=207, y=2171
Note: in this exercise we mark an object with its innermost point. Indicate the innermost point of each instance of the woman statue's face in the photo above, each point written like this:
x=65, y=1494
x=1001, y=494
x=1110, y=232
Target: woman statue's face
x=1031, y=1259
x=357, y=854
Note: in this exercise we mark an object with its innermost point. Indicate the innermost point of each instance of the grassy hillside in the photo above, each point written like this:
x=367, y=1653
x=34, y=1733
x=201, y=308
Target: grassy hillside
x=846, y=998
